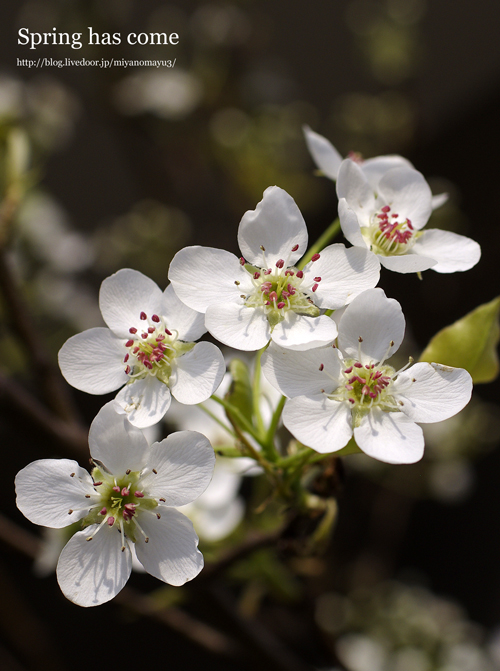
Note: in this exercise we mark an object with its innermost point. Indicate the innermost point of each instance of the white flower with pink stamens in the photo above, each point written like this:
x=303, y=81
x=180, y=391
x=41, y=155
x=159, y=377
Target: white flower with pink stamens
x=328, y=160
x=337, y=392
x=387, y=218
x=262, y=295
x=129, y=499
x=148, y=347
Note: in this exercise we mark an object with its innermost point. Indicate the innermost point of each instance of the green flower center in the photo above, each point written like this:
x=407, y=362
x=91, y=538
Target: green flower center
x=387, y=235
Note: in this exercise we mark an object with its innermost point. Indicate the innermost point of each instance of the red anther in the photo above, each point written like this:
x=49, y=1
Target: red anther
x=138, y=495
x=144, y=335
x=129, y=343
x=314, y=257
x=366, y=390
x=314, y=287
x=348, y=370
x=351, y=400
x=160, y=337
x=386, y=208
x=354, y=379
x=372, y=395
x=128, y=511
x=148, y=364
x=321, y=366
x=256, y=275
x=280, y=263
x=268, y=271
x=155, y=318
x=151, y=329
x=135, y=350
x=242, y=261
x=103, y=511
x=382, y=216
x=127, y=370
x=127, y=356
x=168, y=332
x=285, y=295
x=96, y=484
x=409, y=224
x=116, y=489
x=395, y=216
x=300, y=274
x=349, y=387
x=280, y=305
x=111, y=521
x=358, y=365
x=267, y=303
x=273, y=296
x=143, y=316
x=317, y=279
x=289, y=272
x=294, y=248
x=132, y=329
x=125, y=491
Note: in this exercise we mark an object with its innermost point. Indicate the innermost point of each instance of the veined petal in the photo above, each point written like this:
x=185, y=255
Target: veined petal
x=238, y=326
x=300, y=332
x=189, y=323
x=378, y=321
x=318, y=422
x=203, y=276
x=452, y=252
x=390, y=436
x=122, y=298
x=350, y=225
x=326, y=157
x=48, y=489
x=407, y=192
x=375, y=168
x=197, y=374
x=411, y=262
x=301, y=373
x=92, y=361
x=344, y=273
x=353, y=186
x=145, y=401
x=277, y=225
x=184, y=463
x=90, y=573
x=171, y=553
x=432, y=392
x=115, y=442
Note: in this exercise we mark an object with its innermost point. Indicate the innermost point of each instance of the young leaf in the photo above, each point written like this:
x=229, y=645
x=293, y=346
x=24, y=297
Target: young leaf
x=240, y=391
x=469, y=343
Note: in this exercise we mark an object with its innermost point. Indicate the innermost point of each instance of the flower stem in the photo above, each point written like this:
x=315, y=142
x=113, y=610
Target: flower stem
x=256, y=393
x=320, y=243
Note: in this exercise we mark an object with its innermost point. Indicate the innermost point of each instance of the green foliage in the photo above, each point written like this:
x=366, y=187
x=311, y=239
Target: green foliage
x=240, y=393
x=469, y=343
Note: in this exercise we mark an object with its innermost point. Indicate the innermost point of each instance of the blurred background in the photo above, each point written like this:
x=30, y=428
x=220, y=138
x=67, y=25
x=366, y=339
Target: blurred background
x=121, y=167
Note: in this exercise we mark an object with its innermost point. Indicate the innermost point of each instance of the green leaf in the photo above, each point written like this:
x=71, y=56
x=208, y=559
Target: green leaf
x=469, y=343
x=240, y=392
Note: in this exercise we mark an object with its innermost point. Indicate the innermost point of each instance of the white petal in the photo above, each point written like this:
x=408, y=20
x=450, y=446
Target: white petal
x=350, y=225
x=197, y=374
x=298, y=373
x=92, y=361
x=277, y=225
x=90, y=573
x=318, y=422
x=376, y=319
x=189, y=323
x=439, y=200
x=223, y=487
x=47, y=491
x=300, y=332
x=172, y=553
x=344, y=273
x=115, y=442
x=214, y=524
x=326, y=157
x=238, y=326
x=452, y=252
x=353, y=186
x=123, y=297
x=407, y=192
x=390, y=436
x=145, y=401
x=375, y=168
x=203, y=276
x=184, y=463
x=411, y=262
x=432, y=392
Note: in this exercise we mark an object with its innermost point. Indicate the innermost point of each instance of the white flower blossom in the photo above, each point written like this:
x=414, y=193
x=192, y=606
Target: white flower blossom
x=263, y=296
x=328, y=160
x=148, y=347
x=337, y=392
x=387, y=218
x=130, y=498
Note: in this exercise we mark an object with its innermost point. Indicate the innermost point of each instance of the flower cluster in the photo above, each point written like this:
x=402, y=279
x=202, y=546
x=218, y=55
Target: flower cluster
x=326, y=336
